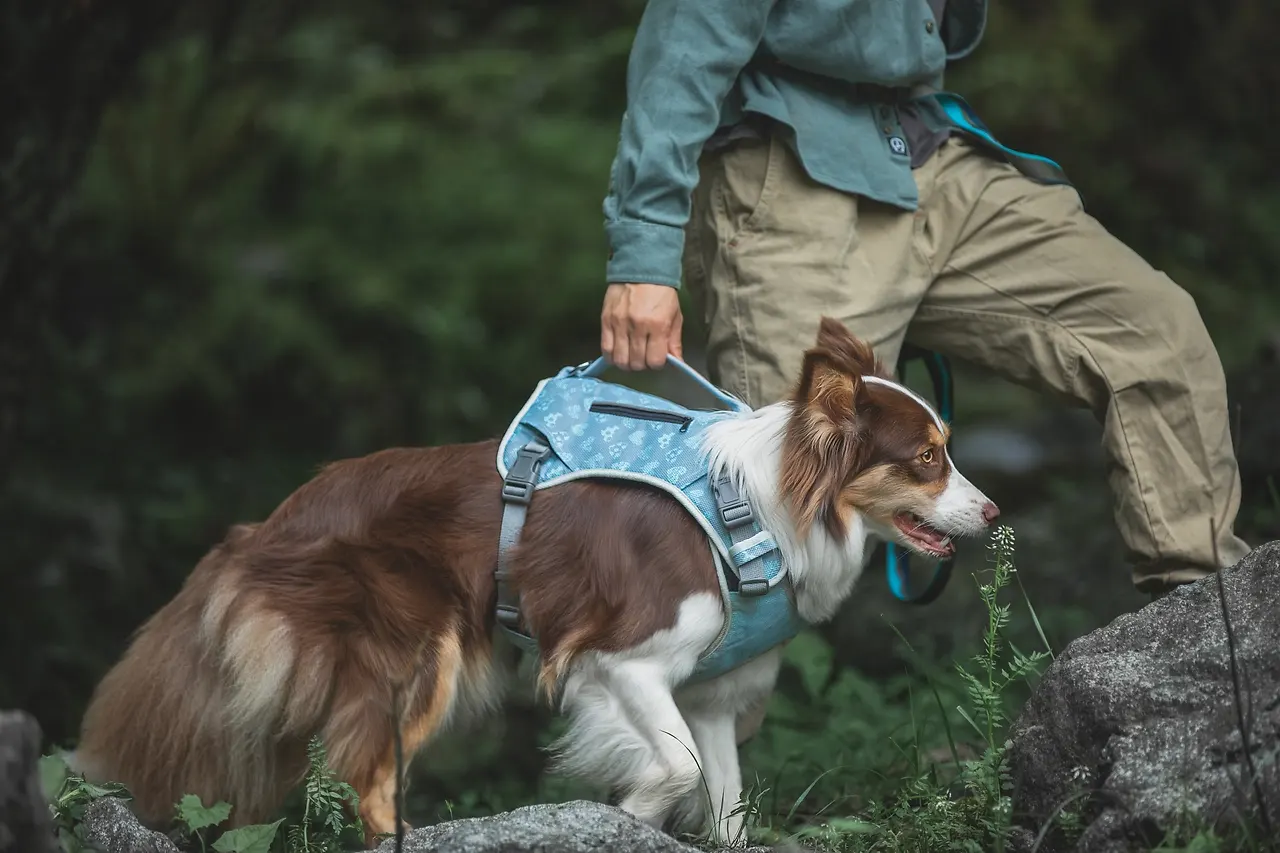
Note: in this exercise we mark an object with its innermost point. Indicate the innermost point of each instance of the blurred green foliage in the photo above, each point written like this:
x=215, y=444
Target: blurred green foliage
x=308, y=231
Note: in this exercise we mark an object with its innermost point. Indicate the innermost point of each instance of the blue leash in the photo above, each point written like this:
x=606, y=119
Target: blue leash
x=897, y=561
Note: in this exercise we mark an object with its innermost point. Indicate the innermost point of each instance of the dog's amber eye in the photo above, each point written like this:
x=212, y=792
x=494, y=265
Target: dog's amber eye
x=926, y=457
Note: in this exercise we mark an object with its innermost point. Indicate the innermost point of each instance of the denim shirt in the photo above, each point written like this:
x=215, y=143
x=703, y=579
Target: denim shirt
x=814, y=66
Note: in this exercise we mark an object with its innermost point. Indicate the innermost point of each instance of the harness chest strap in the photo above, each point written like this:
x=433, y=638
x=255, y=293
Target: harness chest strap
x=748, y=549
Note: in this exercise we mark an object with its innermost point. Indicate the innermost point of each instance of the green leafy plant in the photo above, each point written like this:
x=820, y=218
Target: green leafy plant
x=193, y=817
x=69, y=794
x=987, y=688
x=330, y=810
x=324, y=822
x=915, y=801
x=255, y=838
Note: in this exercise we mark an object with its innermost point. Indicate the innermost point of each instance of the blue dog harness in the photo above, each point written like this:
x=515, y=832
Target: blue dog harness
x=576, y=426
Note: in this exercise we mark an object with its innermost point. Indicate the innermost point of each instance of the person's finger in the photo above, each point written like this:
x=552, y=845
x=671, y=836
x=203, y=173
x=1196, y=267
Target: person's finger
x=608, y=319
x=621, y=351
x=606, y=336
x=655, y=351
x=675, y=344
x=637, y=341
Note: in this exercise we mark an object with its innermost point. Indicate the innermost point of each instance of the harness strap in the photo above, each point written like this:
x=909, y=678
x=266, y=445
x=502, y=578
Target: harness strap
x=961, y=116
x=517, y=492
x=748, y=547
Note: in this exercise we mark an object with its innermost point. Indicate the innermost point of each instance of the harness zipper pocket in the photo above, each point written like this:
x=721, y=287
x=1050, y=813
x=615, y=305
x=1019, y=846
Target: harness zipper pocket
x=642, y=414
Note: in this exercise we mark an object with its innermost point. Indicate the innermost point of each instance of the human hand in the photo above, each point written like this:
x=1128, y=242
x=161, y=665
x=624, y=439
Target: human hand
x=640, y=324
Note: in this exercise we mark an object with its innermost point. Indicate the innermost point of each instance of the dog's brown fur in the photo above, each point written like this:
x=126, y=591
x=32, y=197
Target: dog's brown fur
x=377, y=576
x=376, y=573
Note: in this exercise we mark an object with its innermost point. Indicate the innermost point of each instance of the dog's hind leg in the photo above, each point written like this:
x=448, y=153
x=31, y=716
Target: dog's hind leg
x=361, y=732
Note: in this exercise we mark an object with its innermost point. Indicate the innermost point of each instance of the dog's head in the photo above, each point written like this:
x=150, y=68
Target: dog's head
x=859, y=443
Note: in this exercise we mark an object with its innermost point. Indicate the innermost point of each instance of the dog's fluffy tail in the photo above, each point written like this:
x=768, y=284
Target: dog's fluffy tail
x=216, y=696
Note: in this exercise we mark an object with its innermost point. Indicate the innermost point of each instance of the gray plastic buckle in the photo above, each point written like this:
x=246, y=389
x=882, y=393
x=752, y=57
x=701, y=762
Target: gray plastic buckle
x=735, y=510
x=508, y=617
x=754, y=587
x=517, y=486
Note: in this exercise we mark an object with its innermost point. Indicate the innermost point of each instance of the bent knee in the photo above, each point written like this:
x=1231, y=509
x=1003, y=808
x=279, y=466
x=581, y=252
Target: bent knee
x=1163, y=313
x=1155, y=332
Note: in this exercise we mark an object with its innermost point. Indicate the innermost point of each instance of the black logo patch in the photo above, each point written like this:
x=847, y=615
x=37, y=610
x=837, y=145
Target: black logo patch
x=898, y=145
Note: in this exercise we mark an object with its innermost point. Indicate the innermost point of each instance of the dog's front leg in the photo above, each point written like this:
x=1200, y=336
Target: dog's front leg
x=627, y=731
x=714, y=732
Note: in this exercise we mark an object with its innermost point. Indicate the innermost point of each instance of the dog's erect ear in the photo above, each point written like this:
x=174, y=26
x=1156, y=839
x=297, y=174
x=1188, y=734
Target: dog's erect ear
x=824, y=436
x=850, y=354
x=831, y=376
x=827, y=397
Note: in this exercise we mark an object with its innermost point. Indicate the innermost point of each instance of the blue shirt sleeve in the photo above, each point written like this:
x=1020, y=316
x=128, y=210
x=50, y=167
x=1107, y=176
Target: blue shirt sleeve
x=685, y=59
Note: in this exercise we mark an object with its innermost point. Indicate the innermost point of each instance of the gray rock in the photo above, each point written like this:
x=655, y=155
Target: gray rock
x=25, y=824
x=109, y=826
x=1140, y=718
x=574, y=827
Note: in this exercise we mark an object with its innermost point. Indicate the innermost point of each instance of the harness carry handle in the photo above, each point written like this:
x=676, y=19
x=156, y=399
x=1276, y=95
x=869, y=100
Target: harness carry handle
x=593, y=369
x=897, y=561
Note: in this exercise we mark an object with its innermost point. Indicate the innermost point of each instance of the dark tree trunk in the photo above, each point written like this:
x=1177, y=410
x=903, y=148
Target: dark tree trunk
x=60, y=62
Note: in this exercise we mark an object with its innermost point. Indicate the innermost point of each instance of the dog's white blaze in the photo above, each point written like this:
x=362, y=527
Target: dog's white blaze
x=958, y=510
x=889, y=383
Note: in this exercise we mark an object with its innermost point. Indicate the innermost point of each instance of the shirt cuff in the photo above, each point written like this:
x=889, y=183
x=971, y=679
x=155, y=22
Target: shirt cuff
x=644, y=253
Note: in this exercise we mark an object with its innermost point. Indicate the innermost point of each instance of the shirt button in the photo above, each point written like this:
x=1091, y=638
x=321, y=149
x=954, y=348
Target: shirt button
x=928, y=26
x=887, y=130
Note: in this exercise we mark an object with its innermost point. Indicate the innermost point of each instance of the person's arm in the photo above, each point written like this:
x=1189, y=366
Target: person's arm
x=685, y=59
x=686, y=56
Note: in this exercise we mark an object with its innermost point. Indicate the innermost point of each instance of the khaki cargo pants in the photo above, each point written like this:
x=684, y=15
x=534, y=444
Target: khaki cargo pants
x=996, y=270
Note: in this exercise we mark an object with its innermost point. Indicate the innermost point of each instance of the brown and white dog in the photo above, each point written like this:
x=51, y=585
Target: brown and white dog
x=378, y=576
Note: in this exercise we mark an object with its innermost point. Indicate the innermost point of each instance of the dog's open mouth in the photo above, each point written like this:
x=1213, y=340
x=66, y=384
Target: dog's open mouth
x=921, y=536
